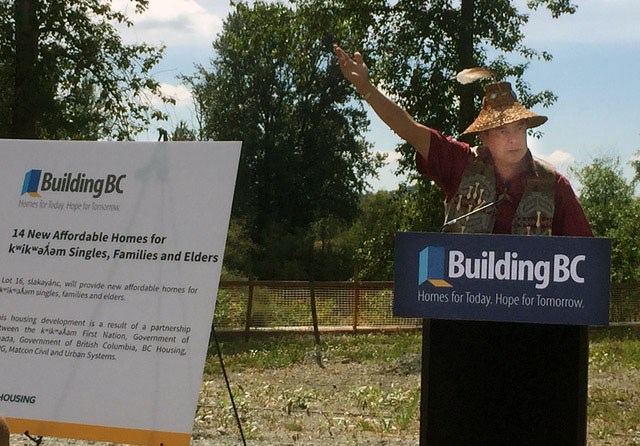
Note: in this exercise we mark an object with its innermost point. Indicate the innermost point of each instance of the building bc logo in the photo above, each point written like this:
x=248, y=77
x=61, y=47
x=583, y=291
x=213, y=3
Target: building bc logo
x=431, y=267
x=36, y=181
x=31, y=183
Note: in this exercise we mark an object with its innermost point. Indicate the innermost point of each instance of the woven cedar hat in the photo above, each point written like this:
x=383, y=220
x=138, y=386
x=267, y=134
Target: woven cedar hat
x=499, y=107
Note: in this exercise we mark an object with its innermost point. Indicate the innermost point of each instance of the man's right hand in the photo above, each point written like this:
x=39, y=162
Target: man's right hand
x=354, y=70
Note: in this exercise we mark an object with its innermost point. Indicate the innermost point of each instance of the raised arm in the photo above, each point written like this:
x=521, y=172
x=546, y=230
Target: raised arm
x=356, y=71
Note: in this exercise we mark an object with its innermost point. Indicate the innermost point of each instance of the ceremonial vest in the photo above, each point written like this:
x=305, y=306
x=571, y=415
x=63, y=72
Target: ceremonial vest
x=534, y=215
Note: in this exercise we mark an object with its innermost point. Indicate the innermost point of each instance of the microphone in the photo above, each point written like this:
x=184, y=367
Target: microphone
x=500, y=199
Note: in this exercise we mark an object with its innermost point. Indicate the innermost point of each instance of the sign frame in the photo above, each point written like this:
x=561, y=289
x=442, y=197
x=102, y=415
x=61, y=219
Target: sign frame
x=111, y=259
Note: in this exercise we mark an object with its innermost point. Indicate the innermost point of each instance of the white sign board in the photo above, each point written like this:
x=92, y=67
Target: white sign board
x=110, y=259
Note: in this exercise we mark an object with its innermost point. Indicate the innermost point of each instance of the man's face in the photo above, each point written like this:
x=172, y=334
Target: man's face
x=507, y=144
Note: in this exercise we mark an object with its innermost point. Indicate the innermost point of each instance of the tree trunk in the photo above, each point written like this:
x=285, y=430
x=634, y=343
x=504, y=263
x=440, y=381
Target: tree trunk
x=25, y=94
x=466, y=93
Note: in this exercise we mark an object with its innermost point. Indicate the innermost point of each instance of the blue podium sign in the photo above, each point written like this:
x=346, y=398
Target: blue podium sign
x=502, y=278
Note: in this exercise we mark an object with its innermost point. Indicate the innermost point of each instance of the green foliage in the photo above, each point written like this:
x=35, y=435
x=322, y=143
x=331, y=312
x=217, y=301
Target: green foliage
x=421, y=206
x=635, y=163
x=381, y=215
x=238, y=252
x=90, y=84
x=605, y=193
x=372, y=236
x=259, y=352
x=612, y=210
x=615, y=347
x=273, y=84
x=277, y=351
x=557, y=7
x=183, y=132
x=614, y=361
x=419, y=46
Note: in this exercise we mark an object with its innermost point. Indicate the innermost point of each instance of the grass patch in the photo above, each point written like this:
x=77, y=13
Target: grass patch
x=614, y=382
x=263, y=352
x=610, y=347
x=273, y=351
x=614, y=347
x=357, y=407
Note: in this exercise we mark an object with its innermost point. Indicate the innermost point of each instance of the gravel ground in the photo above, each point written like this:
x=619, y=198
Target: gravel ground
x=347, y=403
x=340, y=403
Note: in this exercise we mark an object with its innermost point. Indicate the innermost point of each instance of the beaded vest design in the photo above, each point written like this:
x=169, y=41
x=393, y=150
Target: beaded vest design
x=534, y=215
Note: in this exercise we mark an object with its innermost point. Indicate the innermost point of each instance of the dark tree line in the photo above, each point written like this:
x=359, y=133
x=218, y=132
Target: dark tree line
x=66, y=73
x=273, y=83
x=302, y=208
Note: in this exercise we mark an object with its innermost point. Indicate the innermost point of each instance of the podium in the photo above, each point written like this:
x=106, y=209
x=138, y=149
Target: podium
x=505, y=342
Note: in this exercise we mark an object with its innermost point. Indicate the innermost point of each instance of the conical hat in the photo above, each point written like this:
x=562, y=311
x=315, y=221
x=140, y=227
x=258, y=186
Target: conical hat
x=499, y=107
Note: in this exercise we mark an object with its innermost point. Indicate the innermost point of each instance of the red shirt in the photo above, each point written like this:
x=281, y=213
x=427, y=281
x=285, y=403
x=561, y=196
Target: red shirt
x=447, y=161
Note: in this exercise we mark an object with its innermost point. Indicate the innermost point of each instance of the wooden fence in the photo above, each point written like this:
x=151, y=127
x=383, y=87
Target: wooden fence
x=254, y=306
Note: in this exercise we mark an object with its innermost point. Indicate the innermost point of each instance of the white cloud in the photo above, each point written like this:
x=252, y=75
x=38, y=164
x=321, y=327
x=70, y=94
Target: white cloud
x=170, y=22
x=182, y=111
x=560, y=159
x=393, y=156
x=180, y=93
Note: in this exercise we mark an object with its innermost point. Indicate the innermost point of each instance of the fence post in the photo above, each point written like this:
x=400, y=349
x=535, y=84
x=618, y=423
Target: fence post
x=247, y=324
x=314, y=316
x=356, y=304
x=314, y=312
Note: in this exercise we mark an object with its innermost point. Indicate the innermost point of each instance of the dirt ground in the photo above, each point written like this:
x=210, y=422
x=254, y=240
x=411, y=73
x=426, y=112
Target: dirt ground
x=341, y=403
x=356, y=404
x=346, y=403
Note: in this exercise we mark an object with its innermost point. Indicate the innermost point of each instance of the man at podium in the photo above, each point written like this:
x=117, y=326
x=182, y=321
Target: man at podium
x=488, y=382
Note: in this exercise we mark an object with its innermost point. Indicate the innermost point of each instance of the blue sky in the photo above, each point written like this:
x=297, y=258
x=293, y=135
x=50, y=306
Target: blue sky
x=594, y=72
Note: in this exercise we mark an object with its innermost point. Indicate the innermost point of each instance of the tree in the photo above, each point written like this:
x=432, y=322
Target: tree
x=238, y=252
x=274, y=85
x=420, y=206
x=414, y=49
x=25, y=104
x=68, y=73
x=370, y=240
x=420, y=45
x=635, y=163
x=371, y=237
x=612, y=210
